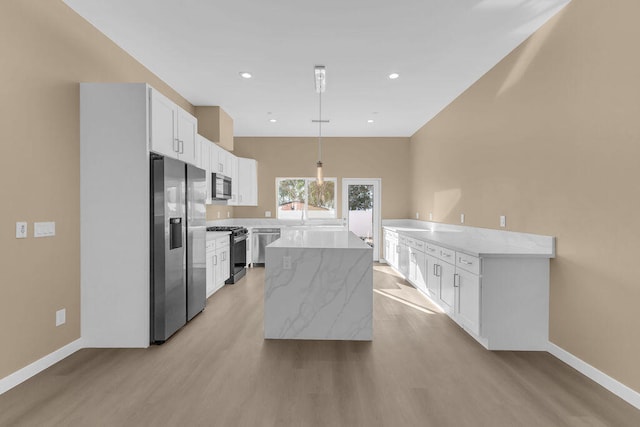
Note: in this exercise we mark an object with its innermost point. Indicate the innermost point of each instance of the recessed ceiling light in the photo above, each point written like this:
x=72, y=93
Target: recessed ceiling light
x=394, y=76
x=245, y=75
x=272, y=120
x=370, y=121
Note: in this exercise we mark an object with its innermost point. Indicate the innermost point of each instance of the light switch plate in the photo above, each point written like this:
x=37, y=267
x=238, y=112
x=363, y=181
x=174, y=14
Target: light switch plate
x=267, y=214
x=503, y=221
x=21, y=230
x=61, y=317
x=44, y=229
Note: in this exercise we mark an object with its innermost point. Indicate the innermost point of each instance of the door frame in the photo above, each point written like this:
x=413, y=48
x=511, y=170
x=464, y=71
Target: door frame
x=377, y=208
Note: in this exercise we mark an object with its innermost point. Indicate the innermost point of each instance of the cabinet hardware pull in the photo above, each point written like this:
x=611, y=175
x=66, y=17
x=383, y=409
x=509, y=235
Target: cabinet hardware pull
x=439, y=270
x=434, y=270
x=215, y=260
x=181, y=147
x=445, y=254
x=465, y=262
x=456, y=280
x=176, y=140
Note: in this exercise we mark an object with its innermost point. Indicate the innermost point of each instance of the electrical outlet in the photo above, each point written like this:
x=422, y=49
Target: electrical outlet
x=267, y=214
x=503, y=221
x=461, y=218
x=430, y=216
x=218, y=214
x=228, y=214
x=286, y=262
x=61, y=317
x=21, y=230
x=417, y=215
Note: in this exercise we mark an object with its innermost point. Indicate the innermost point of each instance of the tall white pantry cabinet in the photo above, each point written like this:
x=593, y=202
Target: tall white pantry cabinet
x=115, y=139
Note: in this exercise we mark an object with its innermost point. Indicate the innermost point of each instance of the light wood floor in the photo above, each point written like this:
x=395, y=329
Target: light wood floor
x=420, y=370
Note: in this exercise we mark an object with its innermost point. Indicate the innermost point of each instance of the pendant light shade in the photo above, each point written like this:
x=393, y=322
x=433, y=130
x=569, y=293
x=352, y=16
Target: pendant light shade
x=319, y=177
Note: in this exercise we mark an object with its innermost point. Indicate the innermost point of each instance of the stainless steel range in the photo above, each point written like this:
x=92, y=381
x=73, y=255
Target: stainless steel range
x=238, y=257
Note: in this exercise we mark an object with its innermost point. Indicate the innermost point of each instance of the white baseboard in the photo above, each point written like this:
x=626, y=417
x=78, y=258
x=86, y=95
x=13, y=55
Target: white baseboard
x=614, y=386
x=10, y=381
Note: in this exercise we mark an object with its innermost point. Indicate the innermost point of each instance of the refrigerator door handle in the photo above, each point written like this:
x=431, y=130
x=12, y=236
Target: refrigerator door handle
x=175, y=233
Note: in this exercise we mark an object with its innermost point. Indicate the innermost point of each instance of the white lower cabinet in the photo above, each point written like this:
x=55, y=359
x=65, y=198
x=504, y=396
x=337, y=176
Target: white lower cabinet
x=467, y=301
x=447, y=294
x=501, y=301
x=403, y=256
x=417, y=268
x=391, y=248
x=218, y=267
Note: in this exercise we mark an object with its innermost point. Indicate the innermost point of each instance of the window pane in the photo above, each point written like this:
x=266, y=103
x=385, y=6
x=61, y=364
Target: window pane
x=322, y=199
x=291, y=195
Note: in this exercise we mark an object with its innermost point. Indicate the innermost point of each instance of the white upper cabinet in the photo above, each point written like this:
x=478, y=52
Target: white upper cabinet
x=173, y=130
x=247, y=178
x=204, y=161
x=187, y=131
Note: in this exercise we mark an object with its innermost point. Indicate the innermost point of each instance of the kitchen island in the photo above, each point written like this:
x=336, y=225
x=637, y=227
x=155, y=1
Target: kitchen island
x=318, y=285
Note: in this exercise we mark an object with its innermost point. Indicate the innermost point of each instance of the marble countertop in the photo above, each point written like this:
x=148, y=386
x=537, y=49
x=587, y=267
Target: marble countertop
x=481, y=242
x=314, y=238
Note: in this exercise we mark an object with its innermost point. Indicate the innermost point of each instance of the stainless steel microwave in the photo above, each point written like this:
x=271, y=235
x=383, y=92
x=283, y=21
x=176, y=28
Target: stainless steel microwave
x=220, y=187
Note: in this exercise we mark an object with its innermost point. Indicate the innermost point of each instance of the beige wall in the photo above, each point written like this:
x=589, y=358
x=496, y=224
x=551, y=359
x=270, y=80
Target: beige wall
x=46, y=51
x=551, y=138
x=221, y=211
x=386, y=158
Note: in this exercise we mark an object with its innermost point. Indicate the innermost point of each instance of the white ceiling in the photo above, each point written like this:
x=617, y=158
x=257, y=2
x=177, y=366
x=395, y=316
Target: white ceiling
x=439, y=48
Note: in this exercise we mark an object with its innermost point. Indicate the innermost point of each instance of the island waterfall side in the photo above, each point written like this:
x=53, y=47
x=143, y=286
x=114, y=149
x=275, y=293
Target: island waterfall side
x=318, y=285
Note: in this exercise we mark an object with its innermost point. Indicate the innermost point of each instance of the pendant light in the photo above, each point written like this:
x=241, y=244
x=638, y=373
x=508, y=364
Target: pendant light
x=320, y=77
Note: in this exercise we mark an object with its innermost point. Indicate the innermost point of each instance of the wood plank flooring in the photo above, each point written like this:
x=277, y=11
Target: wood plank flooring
x=420, y=370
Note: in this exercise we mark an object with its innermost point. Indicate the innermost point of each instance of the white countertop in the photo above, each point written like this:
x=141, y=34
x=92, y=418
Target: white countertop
x=475, y=241
x=314, y=238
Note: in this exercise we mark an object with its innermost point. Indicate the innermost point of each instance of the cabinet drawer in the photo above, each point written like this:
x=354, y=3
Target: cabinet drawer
x=402, y=240
x=416, y=244
x=468, y=262
x=211, y=246
x=431, y=249
x=222, y=242
x=447, y=255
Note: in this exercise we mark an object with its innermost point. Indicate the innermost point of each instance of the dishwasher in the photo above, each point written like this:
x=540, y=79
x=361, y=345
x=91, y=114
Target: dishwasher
x=261, y=237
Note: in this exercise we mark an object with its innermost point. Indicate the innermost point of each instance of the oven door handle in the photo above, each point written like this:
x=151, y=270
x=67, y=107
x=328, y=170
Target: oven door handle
x=238, y=239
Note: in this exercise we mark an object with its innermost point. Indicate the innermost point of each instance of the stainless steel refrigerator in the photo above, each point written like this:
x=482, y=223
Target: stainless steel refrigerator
x=178, y=245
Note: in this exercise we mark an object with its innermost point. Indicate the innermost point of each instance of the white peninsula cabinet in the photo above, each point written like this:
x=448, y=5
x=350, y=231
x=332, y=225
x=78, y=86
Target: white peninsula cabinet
x=494, y=284
x=173, y=130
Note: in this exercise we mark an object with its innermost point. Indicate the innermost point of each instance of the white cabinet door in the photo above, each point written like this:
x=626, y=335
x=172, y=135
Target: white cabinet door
x=226, y=266
x=173, y=130
x=187, y=131
x=247, y=178
x=467, y=301
x=210, y=269
x=433, y=276
x=447, y=290
x=231, y=168
x=420, y=277
x=214, y=158
x=403, y=259
x=163, y=121
x=205, y=149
